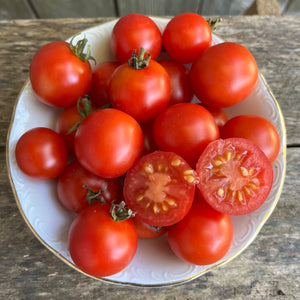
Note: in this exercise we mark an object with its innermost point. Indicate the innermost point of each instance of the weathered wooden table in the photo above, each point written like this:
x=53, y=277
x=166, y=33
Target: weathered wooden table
x=268, y=268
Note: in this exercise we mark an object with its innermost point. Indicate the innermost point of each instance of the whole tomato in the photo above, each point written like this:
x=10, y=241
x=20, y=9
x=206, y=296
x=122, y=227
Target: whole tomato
x=108, y=141
x=257, y=129
x=186, y=129
x=186, y=36
x=181, y=90
x=41, y=153
x=77, y=188
x=99, y=245
x=101, y=77
x=132, y=32
x=223, y=75
x=60, y=73
x=203, y=236
x=141, y=88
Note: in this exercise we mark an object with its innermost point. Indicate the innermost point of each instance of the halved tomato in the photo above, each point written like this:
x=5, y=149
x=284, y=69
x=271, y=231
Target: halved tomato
x=160, y=188
x=235, y=176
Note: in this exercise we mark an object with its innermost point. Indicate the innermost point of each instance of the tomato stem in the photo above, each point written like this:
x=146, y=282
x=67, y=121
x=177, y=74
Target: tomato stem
x=139, y=61
x=92, y=196
x=214, y=23
x=119, y=212
x=78, y=50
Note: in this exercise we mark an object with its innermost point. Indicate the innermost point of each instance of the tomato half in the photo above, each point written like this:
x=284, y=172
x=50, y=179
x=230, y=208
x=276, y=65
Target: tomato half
x=257, y=129
x=203, y=236
x=186, y=36
x=160, y=187
x=235, y=176
x=107, y=142
x=223, y=75
x=58, y=77
x=142, y=93
x=132, y=32
x=99, y=245
x=186, y=129
x=41, y=153
x=72, y=188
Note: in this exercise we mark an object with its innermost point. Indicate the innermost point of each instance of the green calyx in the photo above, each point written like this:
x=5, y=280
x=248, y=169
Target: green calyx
x=139, y=61
x=79, y=50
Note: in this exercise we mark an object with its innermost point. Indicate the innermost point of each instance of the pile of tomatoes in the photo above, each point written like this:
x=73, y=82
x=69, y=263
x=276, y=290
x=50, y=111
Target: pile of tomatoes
x=134, y=157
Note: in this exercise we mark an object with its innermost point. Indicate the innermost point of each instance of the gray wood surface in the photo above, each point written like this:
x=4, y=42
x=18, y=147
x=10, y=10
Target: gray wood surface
x=268, y=269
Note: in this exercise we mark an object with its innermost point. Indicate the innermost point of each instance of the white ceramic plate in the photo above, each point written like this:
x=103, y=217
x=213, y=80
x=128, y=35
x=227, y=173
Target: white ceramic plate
x=154, y=263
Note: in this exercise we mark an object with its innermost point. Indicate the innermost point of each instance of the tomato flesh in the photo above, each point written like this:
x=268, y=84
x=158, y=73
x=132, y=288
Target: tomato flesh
x=160, y=188
x=235, y=176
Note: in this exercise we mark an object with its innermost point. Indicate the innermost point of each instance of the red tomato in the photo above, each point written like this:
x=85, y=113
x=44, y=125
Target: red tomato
x=181, y=90
x=132, y=32
x=41, y=153
x=235, y=176
x=99, y=245
x=203, y=236
x=160, y=187
x=58, y=77
x=67, y=119
x=146, y=231
x=257, y=129
x=186, y=36
x=101, y=77
x=219, y=115
x=107, y=142
x=142, y=93
x=72, y=193
x=149, y=143
x=185, y=129
x=223, y=75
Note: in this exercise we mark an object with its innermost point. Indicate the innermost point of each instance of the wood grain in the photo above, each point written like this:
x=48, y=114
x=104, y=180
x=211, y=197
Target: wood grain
x=267, y=269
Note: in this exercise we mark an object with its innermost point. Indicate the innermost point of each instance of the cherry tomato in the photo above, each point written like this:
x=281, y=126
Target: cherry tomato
x=181, y=90
x=257, y=129
x=203, y=236
x=146, y=231
x=223, y=75
x=99, y=245
x=185, y=129
x=219, y=115
x=59, y=77
x=68, y=118
x=149, y=143
x=186, y=36
x=75, y=183
x=135, y=31
x=108, y=141
x=235, y=176
x=160, y=187
x=101, y=77
x=41, y=153
x=142, y=93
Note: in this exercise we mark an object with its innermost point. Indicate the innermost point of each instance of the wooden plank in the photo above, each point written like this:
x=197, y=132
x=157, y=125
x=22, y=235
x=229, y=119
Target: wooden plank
x=15, y=9
x=293, y=8
x=226, y=7
x=74, y=8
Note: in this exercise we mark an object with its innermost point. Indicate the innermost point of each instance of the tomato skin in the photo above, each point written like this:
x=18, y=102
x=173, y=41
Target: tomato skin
x=143, y=94
x=203, y=236
x=223, y=75
x=101, y=77
x=181, y=90
x=99, y=245
x=235, y=176
x=132, y=32
x=219, y=115
x=160, y=188
x=107, y=142
x=257, y=129
x=41, y=153
x=145, y=231
x=193, y=30
x=57, y=76
x=186, y=129
x=149, y=143
x=72, y=193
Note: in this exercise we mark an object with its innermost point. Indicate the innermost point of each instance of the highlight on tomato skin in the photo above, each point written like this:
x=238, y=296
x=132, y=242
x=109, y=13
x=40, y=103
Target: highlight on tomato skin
x=235, y=176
